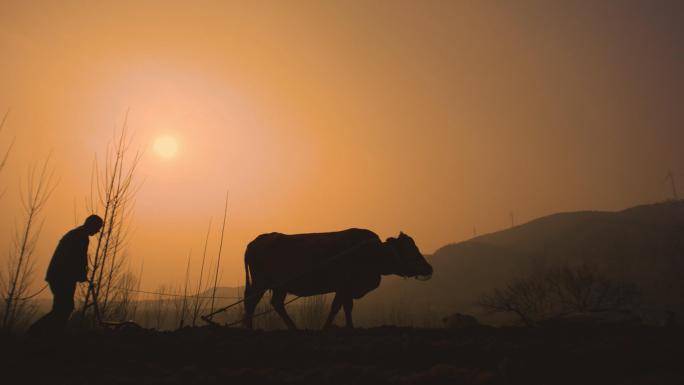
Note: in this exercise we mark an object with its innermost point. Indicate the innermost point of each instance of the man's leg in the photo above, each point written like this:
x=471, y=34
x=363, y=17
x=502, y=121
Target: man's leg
x=63, y=304
x=45, y=323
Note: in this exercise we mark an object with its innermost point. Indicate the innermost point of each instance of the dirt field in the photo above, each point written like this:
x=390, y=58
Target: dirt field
x=385, y=355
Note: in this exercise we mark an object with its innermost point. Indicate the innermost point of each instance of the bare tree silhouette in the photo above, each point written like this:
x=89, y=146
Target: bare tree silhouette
x=17, y=279
x=112, y=194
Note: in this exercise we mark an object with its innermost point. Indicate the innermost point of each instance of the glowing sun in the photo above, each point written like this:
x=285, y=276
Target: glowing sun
x=166, y=146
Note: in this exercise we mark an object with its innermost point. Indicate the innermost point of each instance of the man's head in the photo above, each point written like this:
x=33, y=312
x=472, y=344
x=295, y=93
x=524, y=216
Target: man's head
x=93, y=224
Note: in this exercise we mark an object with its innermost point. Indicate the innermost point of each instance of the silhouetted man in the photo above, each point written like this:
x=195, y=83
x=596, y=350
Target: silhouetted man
x=69, y=264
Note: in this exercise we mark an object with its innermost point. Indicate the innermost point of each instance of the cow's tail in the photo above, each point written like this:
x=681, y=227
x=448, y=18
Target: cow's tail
x=248, y=277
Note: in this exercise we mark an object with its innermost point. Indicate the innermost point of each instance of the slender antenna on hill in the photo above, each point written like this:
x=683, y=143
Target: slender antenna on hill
x=671, y=177
x=512, y=219
x=474, y=231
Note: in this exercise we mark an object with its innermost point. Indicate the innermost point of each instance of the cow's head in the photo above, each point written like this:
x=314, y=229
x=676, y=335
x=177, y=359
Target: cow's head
x=406, y=259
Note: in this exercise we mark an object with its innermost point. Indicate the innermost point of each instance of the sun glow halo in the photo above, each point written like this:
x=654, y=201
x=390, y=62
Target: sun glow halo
x=166, y=146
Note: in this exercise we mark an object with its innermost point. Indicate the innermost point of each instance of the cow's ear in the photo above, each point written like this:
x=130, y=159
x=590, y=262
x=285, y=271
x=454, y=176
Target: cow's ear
x=401, y=234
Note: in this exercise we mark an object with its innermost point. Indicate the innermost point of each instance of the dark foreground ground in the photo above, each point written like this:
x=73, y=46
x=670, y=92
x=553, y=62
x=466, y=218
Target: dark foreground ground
x=387, y=355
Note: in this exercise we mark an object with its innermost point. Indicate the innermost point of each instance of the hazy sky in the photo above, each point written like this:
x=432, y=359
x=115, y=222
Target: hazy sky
x=430, y=117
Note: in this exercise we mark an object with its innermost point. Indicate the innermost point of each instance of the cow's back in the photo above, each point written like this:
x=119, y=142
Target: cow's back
x=315, y=263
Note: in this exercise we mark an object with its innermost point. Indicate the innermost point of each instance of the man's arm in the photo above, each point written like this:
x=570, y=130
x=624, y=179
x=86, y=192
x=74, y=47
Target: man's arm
x=83, y=260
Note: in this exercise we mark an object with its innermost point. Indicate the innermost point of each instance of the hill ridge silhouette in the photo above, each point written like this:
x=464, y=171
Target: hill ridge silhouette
x=642, y=244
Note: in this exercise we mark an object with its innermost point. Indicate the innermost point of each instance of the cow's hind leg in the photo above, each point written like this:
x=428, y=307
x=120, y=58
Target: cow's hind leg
x=278, y=302
x=252, y=297
x=336, y=304
x=348, y=306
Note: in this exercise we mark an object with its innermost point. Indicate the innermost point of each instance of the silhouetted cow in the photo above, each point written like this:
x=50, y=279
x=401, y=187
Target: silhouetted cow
x=348, y=263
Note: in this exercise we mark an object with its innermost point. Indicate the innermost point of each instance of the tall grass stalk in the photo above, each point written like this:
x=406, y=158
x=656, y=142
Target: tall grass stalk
x=218, y=260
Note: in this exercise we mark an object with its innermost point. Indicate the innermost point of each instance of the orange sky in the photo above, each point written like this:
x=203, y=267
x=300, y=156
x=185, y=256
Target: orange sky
x=430, y=117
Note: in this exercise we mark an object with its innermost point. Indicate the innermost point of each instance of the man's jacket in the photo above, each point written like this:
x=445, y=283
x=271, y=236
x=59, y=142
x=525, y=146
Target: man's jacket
x=69, y=263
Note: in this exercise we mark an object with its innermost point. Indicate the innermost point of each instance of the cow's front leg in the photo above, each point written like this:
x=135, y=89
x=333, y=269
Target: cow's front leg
x=278, y=302
x=336, y=304
x=348, y=306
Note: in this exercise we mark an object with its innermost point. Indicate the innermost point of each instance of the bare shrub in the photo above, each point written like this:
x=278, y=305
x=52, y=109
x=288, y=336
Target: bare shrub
x=528, y=298
x=558, y=292
x=586, y=289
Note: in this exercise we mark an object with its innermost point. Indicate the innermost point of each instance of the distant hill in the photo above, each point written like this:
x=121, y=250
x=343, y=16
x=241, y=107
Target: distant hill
x=643, y=244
